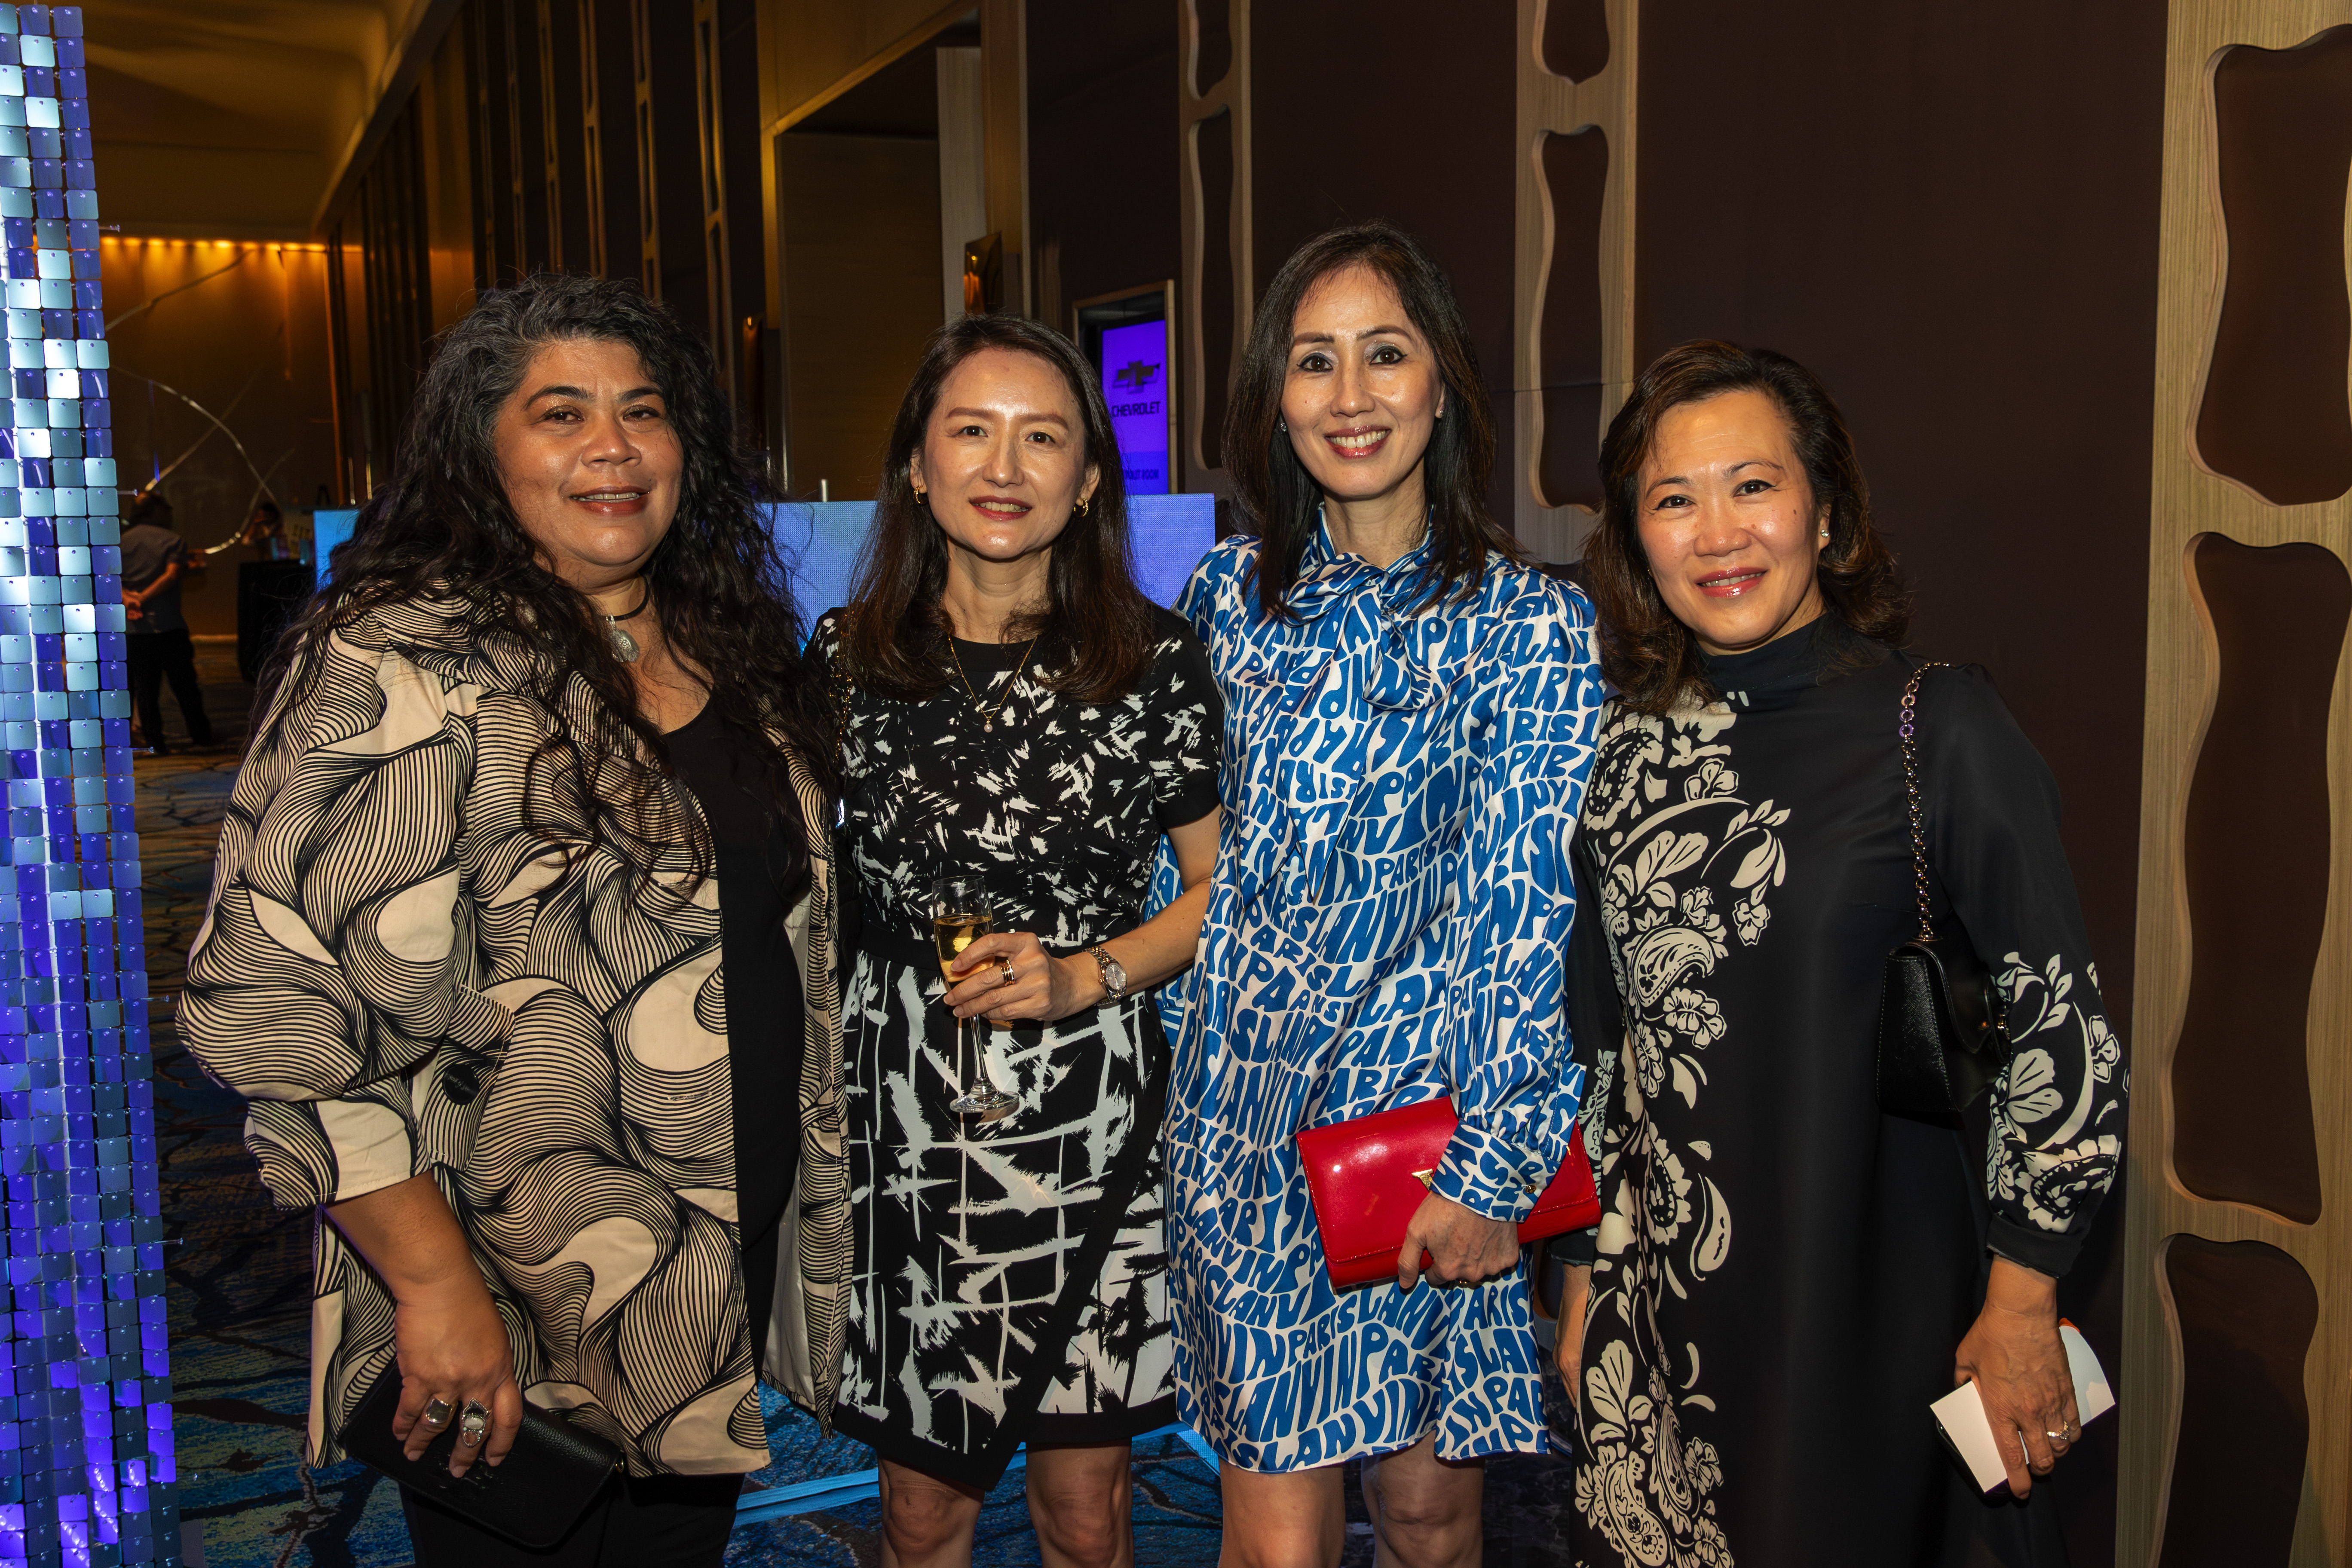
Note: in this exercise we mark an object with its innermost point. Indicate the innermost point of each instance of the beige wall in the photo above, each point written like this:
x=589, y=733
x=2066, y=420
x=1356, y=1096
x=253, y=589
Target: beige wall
x=263, y=323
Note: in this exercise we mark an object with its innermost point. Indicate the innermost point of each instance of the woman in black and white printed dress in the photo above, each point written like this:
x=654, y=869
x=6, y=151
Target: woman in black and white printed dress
x=1013, y=709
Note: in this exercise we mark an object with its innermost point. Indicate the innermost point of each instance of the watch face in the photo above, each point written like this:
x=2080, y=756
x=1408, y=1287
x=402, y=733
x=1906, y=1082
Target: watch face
x=1114, y=973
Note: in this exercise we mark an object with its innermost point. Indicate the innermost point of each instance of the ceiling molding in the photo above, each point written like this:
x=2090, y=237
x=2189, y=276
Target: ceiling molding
x=429, y=22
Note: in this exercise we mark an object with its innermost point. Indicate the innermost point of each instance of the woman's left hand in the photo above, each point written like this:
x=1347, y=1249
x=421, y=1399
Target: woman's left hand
x=1007, y=977
x=2015, y=1358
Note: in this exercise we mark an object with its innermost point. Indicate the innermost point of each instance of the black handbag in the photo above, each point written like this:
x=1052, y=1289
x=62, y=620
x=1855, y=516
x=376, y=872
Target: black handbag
x=532, y=1497
x=1941, y=1036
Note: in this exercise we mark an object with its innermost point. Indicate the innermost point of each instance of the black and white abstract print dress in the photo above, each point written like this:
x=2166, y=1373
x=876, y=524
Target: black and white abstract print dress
x=969, y=1232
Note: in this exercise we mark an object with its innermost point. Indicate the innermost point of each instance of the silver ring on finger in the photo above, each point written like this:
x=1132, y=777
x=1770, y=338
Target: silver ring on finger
x=473, y=1425
x=436, y=1413
x=1004, y=966
x=2058, y=1437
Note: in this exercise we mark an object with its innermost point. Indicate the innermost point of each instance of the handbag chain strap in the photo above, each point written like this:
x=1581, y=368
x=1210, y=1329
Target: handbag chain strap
x=1909, y=732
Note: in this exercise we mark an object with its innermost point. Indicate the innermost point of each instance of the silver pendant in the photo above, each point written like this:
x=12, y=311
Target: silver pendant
x=622, y=643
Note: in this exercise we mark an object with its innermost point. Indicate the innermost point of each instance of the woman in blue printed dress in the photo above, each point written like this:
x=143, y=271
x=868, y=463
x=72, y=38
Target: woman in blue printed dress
x=1409, y=719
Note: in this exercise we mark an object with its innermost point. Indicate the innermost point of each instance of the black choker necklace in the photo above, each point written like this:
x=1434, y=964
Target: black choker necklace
x=622, y=643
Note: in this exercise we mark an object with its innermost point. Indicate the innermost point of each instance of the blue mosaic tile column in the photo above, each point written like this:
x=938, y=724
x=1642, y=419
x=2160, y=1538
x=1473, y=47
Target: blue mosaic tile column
x=86, y=1468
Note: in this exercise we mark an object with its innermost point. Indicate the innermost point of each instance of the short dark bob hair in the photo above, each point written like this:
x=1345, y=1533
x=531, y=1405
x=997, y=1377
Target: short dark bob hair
x=1274, y=488
x=1649, y=656
x=1096, y=631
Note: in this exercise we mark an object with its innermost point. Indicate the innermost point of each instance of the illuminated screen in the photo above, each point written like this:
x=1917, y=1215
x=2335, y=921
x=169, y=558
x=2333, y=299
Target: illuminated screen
x=85, y=1375
x=1134, y=364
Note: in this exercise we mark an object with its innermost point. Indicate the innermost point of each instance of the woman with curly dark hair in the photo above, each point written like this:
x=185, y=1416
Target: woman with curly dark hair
x=520, y=938
x=1790, y=1247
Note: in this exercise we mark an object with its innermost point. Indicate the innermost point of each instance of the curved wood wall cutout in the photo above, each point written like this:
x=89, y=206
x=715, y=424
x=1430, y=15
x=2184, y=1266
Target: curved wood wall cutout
x=1576, y=185
x=2274, y=415
x=1576, y=38
x=2225, y=621
x=2245, y=1314
x=1212, y=304
x=1217, y=291
x=2253, y=850
x=1578, y=66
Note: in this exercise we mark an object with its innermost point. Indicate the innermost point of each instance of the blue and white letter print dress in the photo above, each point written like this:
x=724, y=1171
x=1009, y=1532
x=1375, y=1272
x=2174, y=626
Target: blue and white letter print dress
x=1391, y=908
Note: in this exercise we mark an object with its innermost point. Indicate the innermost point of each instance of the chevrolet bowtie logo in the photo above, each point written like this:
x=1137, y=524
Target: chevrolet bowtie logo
x=1137, y=375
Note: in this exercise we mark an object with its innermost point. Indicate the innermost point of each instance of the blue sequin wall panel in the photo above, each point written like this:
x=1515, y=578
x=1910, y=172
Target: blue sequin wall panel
x=86, y=1466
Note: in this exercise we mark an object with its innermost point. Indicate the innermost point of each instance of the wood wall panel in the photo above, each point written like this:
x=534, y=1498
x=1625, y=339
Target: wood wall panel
x=1546, y=517
x=1211, y=33
x=2187, y=500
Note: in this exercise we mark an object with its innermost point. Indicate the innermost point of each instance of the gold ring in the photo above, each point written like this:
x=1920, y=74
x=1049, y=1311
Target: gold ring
x=1005, y=964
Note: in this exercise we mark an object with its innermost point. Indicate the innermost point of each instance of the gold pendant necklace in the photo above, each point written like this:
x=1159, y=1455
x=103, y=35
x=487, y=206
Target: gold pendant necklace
x=988, y=714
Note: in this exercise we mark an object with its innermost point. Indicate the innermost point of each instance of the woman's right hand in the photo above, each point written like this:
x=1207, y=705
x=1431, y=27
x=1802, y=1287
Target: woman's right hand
x=451, y=1343
x=453, y=1347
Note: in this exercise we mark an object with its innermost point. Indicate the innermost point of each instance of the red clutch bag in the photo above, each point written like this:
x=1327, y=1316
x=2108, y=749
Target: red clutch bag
x=1366, y=1176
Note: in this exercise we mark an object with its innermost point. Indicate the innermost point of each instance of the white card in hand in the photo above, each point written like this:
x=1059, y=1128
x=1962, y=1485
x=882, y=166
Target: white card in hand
x=1962, y=1415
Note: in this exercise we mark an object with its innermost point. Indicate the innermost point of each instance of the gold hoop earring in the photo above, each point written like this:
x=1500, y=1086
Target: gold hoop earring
x=1084, y=502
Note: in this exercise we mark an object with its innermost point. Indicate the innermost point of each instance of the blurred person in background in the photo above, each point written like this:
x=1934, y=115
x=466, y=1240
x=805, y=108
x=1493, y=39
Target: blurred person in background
x=154, y=566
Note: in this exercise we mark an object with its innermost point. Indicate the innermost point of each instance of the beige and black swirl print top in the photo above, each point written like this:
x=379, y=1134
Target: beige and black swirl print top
x=405, y=974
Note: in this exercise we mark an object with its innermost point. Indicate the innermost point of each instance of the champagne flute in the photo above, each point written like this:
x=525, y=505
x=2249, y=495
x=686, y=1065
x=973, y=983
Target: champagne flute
x=961, y=912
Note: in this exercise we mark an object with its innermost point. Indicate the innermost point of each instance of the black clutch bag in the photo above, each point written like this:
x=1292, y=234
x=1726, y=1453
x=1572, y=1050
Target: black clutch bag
x=1941, y=1039
x=532, y=1496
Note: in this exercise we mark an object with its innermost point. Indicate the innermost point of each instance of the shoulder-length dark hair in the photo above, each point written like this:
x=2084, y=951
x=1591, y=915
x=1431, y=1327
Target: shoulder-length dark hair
x=442, y=529
x=1649, y=656
x=1274, y=488
x=1095, y=631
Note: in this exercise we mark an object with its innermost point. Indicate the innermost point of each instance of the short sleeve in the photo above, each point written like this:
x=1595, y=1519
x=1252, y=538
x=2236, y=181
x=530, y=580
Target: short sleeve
x=1187, y=717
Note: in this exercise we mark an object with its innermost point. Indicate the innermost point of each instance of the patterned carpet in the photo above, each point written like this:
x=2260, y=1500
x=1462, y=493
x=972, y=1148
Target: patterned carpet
x=239, y=1280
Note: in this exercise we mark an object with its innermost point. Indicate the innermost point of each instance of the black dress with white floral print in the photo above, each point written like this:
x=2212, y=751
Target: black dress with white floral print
x=1783, y=1273
x=969, y=1231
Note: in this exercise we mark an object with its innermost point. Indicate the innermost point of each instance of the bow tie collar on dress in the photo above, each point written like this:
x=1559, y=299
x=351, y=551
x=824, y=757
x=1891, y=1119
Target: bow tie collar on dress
x=1378, y=603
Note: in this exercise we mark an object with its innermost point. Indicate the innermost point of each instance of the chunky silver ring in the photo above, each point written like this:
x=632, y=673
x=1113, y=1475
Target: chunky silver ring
x=2058, y=1437
x=1004, y=964
x=473, y=1425
x=436, y=1413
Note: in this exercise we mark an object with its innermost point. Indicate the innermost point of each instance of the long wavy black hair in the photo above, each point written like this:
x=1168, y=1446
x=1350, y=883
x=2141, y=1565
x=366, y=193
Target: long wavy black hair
x=1274, y=488
x=1096, y=631
x=442, y=529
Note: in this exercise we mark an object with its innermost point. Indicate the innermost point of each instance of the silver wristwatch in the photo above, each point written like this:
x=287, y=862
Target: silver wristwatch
x=1114, y=973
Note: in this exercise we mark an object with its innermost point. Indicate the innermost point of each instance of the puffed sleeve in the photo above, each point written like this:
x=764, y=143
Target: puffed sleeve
x=1505, y=1046
x=325, y=974
x=1187, y=720
x=2059, y=1108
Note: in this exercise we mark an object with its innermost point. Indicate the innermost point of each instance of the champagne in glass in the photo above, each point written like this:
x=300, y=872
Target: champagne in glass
x=961, y=912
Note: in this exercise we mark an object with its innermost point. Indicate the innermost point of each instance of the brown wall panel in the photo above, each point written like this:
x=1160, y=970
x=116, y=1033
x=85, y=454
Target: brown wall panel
x=2241, y=1091
x=1576, y=38
x=1942, y=212
x=2245, y=1313
x=2273, y=416
x=1576, y=178
x=1408, y=114
x=861, y=230
x=1103, y=168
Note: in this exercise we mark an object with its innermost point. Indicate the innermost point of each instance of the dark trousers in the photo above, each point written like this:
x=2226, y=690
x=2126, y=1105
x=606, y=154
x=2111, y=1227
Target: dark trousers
x=677, y=1521
x=153, y=657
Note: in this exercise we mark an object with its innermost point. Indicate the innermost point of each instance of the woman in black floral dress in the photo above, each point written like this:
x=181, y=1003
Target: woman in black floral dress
x=1013, y=708
x=1785, y=1276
